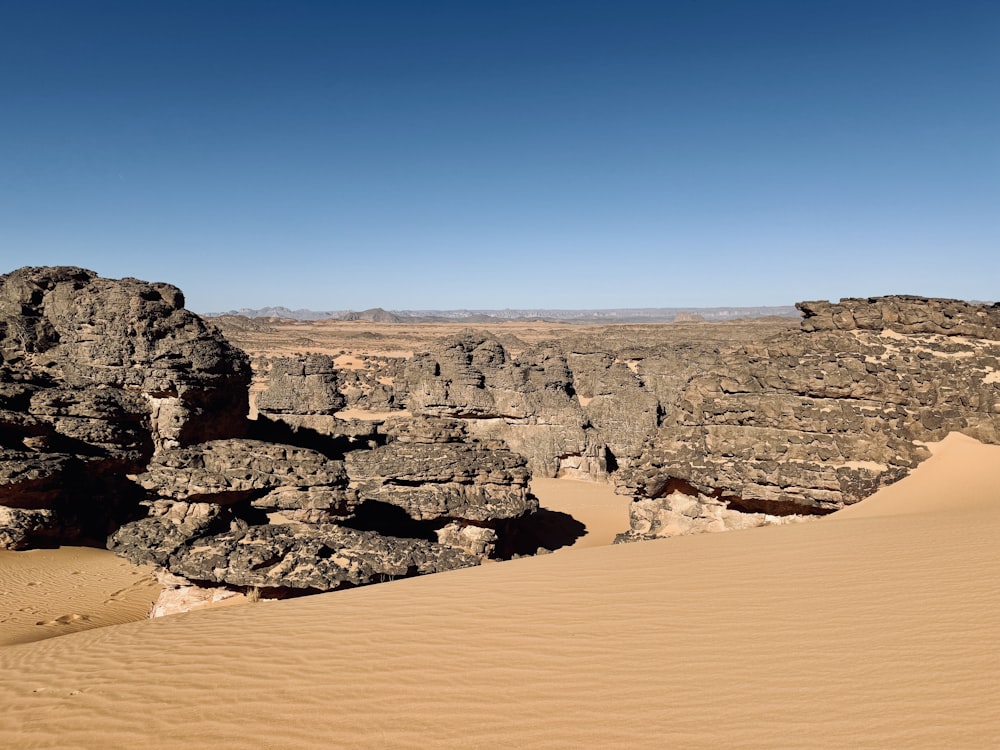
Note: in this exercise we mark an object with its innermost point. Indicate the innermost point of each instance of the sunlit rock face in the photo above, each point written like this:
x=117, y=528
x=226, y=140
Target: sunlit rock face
x=800, y=422
x=95, y=376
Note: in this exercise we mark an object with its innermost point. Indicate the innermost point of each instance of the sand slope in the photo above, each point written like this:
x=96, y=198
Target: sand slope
x=877, y=629
x=50, y=592
x=603, y=513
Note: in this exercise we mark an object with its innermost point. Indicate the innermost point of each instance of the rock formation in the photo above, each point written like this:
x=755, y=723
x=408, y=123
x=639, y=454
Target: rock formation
x=122, y=413
x=682, y=514
x=800, y=423
x=247, y=513
x=813, y=420
x=528, y=402
x=96, y=375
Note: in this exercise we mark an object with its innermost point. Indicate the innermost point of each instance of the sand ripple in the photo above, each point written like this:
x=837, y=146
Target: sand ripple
x=873, y=631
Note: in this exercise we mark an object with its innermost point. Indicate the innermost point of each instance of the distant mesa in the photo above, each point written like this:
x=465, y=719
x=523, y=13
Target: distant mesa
x=689, y=317
x=374, y=315
x=583, y=316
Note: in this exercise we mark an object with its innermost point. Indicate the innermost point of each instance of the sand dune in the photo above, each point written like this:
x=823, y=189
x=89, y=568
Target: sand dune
x=49, y=592
x=874, y=628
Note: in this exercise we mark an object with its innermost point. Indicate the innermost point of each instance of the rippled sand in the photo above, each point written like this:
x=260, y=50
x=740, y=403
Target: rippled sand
x=873, y=628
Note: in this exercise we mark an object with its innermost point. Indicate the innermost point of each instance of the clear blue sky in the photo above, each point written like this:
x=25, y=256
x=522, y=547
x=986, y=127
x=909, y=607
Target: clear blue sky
x=433, y=154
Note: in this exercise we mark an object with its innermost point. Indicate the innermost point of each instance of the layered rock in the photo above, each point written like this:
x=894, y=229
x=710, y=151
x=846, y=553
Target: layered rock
x=811, y=421
x=904, y=314
x=302, y=392
x=69, y=326
x=800, y=422
x=436, y=480
x=528, y=402
x=95, y=375
x=245, y=513
x=268, y=476
x=122, y=412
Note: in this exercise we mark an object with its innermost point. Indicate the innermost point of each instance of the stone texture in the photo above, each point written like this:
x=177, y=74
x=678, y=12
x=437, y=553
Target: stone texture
x=301, y=385
x=529, y=403
x=122, y=413
x=282, y=556
x=810, y=421
x=23, y=528
x=95, y=375
x=243, y=513
x=681, y=514
x=69, y=326
x=797, y=422
x=444, y=480
x=904, y=314
x=272, y=477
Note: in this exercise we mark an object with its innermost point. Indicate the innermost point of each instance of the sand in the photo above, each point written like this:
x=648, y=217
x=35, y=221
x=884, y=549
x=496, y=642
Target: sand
x=873, y=628
x=50, y=592
x=603, y=513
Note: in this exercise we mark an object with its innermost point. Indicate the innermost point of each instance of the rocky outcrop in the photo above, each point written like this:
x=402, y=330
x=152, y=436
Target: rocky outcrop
x=682, y=514
x=528, y=402
x=904, y=314
x=282, y=558
x=70, y=327
x=438, y=474
x=305, y=394
x=95, y=376
x=245, y=513
x=268, y=476
x=800, y=422
x=811, y=421
x=122, y=413
x=300, y=386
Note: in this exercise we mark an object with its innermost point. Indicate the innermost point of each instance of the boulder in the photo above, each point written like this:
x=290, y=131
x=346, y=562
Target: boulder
x=95, y=376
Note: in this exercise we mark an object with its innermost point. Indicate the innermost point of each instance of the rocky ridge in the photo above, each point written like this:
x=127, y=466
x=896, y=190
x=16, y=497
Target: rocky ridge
x=800, y=423
x=122, y=413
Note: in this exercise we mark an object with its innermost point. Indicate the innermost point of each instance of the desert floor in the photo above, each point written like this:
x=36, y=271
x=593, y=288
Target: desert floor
x=876, y=627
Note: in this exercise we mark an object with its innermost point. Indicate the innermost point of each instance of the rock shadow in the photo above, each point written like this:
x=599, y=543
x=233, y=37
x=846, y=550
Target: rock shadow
x=546, y=529
x=331, y=446
x=390, y=520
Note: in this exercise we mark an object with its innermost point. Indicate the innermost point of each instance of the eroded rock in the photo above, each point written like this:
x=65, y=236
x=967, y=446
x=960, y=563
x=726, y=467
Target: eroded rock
x=95, y=376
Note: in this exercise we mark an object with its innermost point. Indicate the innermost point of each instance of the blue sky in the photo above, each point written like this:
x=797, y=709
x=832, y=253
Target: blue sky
x=430, y=154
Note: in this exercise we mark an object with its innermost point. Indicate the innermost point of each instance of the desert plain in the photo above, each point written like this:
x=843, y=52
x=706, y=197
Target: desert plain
x=875, y=626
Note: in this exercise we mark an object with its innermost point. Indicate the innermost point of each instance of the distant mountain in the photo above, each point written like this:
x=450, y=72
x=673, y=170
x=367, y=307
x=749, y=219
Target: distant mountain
x=621, y=315
x=276, y=312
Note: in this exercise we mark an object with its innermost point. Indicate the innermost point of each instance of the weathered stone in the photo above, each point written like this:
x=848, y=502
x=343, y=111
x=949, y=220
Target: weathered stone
x=529, y=403
x=680, y=514
x=904, y=314
x=444, y=480
x=231, y=471
x=69, y=326
x=301, y=385
x=23, y=528
x=281, y=556
x=96, y=374
x=476, y=540
x=800, y=421
x=30, y=480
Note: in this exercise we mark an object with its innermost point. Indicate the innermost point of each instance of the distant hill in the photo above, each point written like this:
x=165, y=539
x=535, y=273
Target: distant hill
x=622, y=315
